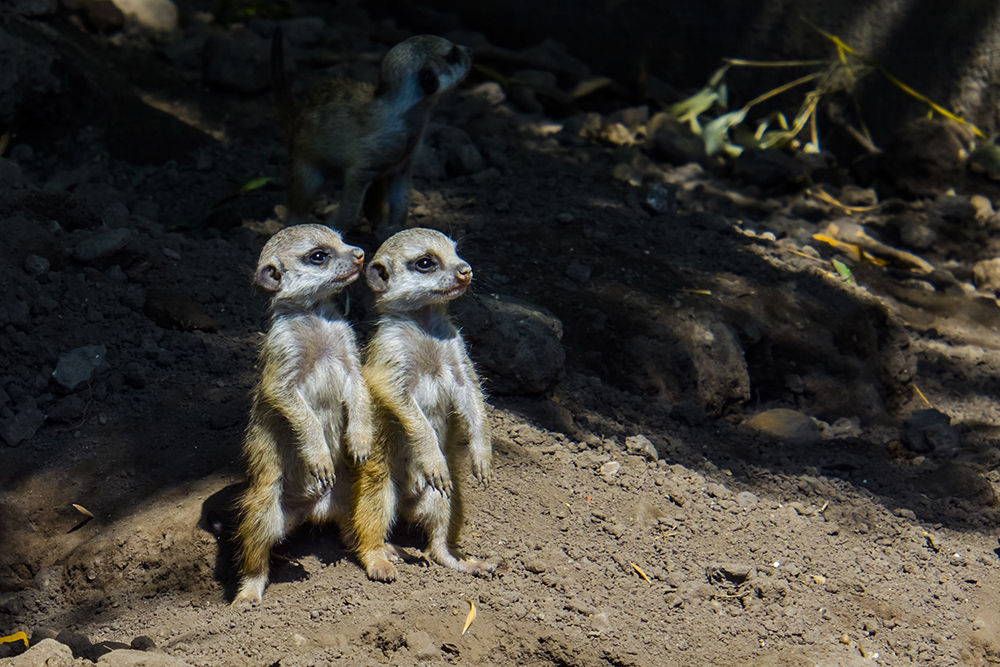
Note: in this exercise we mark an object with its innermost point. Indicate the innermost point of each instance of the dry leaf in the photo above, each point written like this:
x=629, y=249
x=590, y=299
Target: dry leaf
x=16, y=637
x=641, y=573
x=83, y=510
x=470, y=618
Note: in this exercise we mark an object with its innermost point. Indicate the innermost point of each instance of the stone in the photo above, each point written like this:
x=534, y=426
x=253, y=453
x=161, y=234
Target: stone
x=22, y=426
x=785, y=425
x=421, y=646
x=746, y=499
x=610, y=470
x=101, y=245
x=154, y=15
x=986, y=274
x=80, y=365
x=304, y=31
x=930, y=430
x=640, y=444
x=517, y=345
x=578, y=272
x=47, y=652
x=127, y=657
x=171, y=309
x=69, y=409
x=661, y=198
x=239, y=61
x=26, y=72
x=36, y=266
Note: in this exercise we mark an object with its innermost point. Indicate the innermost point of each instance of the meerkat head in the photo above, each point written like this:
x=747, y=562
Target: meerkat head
x=415, y=268
x=423, y=66
x=308, y=263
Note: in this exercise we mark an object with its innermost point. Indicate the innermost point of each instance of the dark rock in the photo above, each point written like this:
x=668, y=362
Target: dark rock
x=304, y=31
x=929, y=431
x=135, y=375
x=79, y=366
x=102, y=245
x=784, y=425
x=104, y=14
x=640, y=444
x=69, y=409
x=143, y=643
x=77, y=643
x=661, y=198
x=25, y=72
x=238, y=61
x=171, y=309
x=924, y=158
x=21, y=426
x=517, y=344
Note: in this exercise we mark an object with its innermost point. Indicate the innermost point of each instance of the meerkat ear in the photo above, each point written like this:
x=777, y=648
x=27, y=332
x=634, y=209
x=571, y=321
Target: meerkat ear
x=269, y=277
x=377, y=276
x=429, y=81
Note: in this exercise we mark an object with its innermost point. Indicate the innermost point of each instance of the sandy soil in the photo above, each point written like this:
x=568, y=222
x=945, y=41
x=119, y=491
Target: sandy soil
x=790, y=499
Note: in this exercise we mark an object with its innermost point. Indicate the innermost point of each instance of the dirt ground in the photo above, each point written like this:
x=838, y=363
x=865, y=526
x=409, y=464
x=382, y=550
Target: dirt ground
x=745, y=457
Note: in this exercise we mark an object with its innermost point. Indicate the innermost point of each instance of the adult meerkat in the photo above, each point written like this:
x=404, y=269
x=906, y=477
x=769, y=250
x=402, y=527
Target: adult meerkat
x=365, y=132
x=428, y=405
x=309, y=403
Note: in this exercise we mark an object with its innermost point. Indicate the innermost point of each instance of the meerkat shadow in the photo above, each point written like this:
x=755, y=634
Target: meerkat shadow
x=409, y=541
x=218, y=517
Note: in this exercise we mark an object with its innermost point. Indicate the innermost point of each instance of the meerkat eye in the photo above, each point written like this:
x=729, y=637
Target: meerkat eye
x=425, y=264
x=429, y=81
x=317, y=257
x=453, y=56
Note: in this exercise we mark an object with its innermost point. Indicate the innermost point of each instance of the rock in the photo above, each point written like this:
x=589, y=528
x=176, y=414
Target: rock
x=69, y=409
x=35, y=7
x=421, y=646
x=983, y=207
x=126, y=657
x=49, y=579
x=784, y=425
x=26, y=73
x=47, y=652
x=536, y=565
x=661, y=198
x=914, y=231
x=721, y=374
x=154, y=15
x=640, y=444
x=674, y=143
x=927, y=431
x=104, y=14
x=22, y=426
x=924, y=158
x=239, y=61
x=986, y=274
x=78, y=643
x=466, y=159
x=80, y=365
x=171, y=309
x=517, y=344
x=956, y=209
x=959, y=479
x=730, y=576
x=135, y=375
x=610, y=470
x=769, y=169
x=115, y=215
x=746, y=499
x=578, y=272
x=185, y=54
x=101, y=245
x=143, y=643
x=36, y=266
x=304, y=31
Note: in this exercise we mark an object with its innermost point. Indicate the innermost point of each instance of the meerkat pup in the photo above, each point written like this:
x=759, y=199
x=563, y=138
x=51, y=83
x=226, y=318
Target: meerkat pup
x=367, y=133
x=310, y=403
x=428, y=405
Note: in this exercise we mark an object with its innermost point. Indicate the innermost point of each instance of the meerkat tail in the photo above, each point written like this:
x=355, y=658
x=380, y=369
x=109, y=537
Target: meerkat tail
x=283, y=99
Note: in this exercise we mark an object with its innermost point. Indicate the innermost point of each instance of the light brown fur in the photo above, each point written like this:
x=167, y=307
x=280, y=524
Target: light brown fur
x=366, y=133
x=310, y=404
x=428, y=405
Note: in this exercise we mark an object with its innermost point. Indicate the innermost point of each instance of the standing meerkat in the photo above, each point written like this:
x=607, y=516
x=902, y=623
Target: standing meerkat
x=367, y=133
x=428, y=405
x=309, y=403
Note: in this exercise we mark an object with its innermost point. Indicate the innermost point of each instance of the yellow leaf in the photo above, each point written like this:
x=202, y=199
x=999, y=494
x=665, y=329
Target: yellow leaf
x=470, y=617
x=83, y=510
x=589, y=86
x=16, y=637
x=641, y=573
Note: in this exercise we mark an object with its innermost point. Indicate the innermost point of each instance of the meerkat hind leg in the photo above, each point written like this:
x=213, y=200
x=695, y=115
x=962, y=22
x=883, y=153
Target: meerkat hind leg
x=263, y=524
x=374, y=508
x=433, y=511
x=376, y=206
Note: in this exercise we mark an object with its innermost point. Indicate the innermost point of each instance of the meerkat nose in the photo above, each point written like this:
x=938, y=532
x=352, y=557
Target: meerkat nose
x=464, y=273
x=359, y=256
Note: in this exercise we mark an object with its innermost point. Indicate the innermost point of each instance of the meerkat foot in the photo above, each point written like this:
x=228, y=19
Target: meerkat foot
x=251, y=592
x=456, y=560
x=378, y=566
x=392, y=553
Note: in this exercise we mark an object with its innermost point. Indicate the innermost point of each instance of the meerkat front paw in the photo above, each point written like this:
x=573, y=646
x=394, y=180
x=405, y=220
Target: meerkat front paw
x=482, y=470
x=359, y=444
x=322, y=475
x=436, y=473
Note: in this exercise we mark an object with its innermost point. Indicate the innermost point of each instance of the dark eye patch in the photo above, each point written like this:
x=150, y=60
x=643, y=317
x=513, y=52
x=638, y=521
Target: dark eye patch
x=429, y=81
x=318, y=256
x=425, y=264
x=454, y=56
